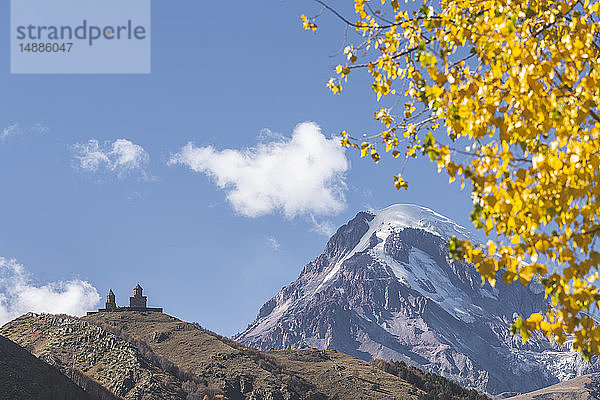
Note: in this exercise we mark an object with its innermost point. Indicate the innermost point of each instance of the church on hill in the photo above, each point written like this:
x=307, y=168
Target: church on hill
x=137, y=302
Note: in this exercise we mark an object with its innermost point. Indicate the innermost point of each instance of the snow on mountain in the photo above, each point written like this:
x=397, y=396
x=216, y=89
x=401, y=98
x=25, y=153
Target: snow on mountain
x=400, y=216
x=385, y=287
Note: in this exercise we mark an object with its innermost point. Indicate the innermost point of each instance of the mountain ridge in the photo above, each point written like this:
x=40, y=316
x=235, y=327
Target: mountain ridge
x=143, y=355
x=385, y=287
x=585, y=387
x=25, y=377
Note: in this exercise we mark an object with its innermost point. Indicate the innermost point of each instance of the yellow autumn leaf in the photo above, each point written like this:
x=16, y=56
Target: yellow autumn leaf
x=509, y=103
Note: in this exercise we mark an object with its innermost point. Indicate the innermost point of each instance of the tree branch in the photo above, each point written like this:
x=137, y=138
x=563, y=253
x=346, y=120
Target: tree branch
x=337, y=14
x=347, y=21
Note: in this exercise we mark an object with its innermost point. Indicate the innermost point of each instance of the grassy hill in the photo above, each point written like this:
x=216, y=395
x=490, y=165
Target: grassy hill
x=25, y=377
x=148, y=355
x=586, y=387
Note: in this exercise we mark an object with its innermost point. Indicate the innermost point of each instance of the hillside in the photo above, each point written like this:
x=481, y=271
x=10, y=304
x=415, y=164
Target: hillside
x=25, y=377
x=144, y=355
x=586, y=387
x=240, y=371
x=71, y=343
x=385, y=287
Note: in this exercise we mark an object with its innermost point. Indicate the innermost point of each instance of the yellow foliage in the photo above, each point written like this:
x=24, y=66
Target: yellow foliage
x=307, y=24
x=503, y=95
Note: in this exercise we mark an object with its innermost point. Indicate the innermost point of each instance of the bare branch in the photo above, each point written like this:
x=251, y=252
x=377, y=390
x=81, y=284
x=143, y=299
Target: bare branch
x=337, y=14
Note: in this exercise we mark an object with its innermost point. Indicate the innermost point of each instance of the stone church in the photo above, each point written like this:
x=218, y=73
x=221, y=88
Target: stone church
x=137, y=302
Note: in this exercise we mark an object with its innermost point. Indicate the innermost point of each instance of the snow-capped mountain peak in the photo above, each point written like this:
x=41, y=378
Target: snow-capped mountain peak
x=400, y=216
x=394, y=219
x=385, y=287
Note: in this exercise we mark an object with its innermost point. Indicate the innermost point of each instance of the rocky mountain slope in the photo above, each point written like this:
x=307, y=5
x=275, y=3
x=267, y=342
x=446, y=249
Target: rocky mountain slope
x=25, y=377
x=385, y=287
x=69, y=343
x=585, y=387
x=150, y=355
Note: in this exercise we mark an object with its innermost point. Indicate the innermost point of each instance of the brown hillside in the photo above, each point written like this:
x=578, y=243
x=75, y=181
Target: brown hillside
x=231, y=366
x=24, y=377
x=150, y=355
x=586, y=387
x=68, y=342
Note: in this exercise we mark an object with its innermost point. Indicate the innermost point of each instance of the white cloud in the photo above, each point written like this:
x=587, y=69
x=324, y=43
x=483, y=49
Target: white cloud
x=18, y=295
x=9, y=131
x=39, y=128
x=302, y=175
x=15, y=129
x=121, y=157
x=326, y=228
x=274, y=243
x=267, y=135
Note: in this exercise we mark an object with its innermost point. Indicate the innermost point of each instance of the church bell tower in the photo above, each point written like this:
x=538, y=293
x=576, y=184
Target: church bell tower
x=111, y=303
x=137, y=300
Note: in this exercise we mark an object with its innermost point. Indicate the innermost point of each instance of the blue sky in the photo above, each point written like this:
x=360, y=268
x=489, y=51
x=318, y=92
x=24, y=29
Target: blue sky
x=237, y=78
